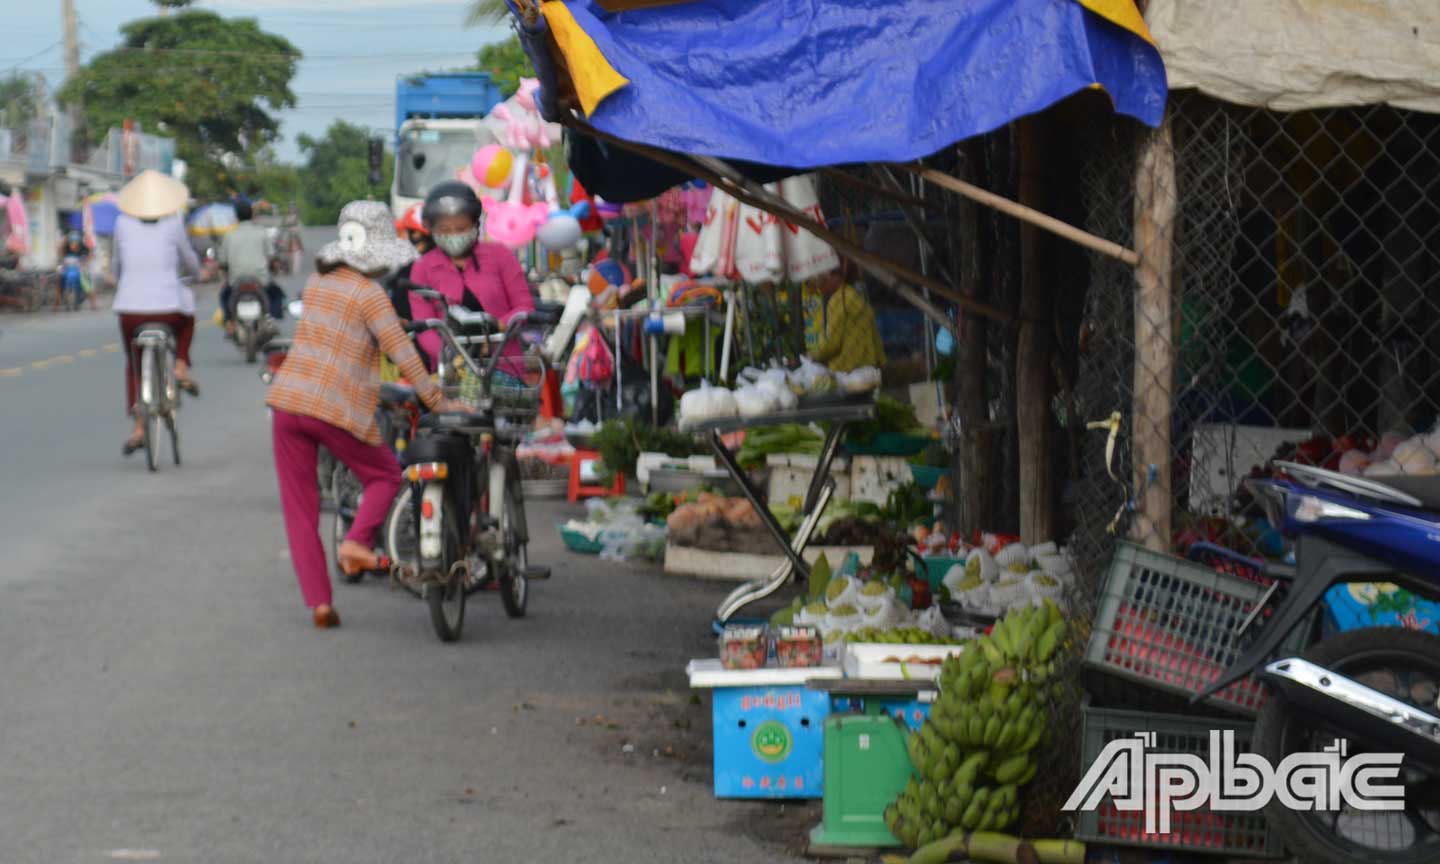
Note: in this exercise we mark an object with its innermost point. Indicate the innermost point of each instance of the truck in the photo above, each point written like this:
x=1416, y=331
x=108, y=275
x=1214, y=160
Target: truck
x=440, y=120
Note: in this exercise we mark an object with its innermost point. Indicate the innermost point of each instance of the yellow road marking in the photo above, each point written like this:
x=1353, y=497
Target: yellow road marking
x=89, y=352
x=40, y=364
x=111, y=348
x=63, y=358
x=13, y=372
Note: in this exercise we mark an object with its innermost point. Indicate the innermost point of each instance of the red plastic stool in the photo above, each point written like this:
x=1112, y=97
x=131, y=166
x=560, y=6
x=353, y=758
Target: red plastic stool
x=578, y=490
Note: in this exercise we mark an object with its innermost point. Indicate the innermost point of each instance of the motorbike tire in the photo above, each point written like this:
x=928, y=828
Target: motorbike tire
x=1279, y=728
x=252, y=344
x=447, y=599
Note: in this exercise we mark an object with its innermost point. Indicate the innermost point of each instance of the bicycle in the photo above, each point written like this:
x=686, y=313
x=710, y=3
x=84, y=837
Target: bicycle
x=152, y=352
x=458, y=525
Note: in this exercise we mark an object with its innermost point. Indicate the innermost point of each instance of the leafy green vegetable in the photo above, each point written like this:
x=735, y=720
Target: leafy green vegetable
x=620, y=443
x=907, y=505
x=788, y=438
x=890, y=416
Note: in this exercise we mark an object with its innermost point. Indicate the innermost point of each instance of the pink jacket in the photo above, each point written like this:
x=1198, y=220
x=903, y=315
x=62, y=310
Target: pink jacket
x=492, y=276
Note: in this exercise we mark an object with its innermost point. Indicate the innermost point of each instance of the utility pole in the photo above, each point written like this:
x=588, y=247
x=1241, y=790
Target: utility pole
x=72, y=68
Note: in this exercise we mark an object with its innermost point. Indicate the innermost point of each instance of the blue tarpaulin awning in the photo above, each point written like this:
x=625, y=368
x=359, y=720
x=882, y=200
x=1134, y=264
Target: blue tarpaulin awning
x=806, y=83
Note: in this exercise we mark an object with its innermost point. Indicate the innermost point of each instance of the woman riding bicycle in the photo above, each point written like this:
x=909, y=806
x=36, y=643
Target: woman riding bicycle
x=480, y=276
x=151, y=251
x=327, y=391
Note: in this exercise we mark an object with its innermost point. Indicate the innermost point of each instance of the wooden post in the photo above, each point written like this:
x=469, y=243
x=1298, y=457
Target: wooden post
x=967, y=392
x=1154, y=383
x=1032, y=357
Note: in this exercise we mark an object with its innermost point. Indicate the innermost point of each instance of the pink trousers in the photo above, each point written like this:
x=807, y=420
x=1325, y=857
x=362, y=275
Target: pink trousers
x=296, y=438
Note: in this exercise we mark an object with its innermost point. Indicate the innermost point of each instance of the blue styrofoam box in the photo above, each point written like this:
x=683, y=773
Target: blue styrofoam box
x=912, y=712
x=1378, y=604
x=769, y=741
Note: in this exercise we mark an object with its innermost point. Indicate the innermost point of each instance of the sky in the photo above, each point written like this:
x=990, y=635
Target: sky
x=354, y=48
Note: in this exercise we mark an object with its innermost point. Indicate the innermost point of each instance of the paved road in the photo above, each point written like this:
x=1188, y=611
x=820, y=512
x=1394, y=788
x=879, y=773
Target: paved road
x=164, y=697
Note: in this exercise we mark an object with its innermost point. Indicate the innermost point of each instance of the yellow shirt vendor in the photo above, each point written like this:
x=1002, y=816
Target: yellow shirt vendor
x=850, y=338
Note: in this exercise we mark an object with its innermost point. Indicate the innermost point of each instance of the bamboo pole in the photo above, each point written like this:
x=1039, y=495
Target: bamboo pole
x=1154, y=373
x=1027, y=214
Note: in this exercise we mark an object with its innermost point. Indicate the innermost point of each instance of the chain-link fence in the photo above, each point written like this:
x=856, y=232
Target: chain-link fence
x=1302, y=316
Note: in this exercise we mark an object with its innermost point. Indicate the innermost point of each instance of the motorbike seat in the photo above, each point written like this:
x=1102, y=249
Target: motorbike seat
x=446, y=420
x=395, y=394
x=1425, y=489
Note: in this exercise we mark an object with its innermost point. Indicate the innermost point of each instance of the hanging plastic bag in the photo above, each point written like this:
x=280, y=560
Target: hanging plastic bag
x=758, y=245
x=719, y=215
x=806, y=256
x=597, y=364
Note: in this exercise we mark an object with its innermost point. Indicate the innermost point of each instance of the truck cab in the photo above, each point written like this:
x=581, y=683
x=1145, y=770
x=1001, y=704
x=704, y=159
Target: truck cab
x=430, y=152
x=440, y=120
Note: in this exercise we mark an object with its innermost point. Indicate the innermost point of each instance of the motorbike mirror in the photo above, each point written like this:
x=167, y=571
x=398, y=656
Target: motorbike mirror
x=296, y=308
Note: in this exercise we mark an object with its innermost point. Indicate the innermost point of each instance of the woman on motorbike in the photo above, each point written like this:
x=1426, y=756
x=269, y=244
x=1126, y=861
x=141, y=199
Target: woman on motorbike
x=327, y=391
x=73, y=257
x=151, y=251
x=479, y=276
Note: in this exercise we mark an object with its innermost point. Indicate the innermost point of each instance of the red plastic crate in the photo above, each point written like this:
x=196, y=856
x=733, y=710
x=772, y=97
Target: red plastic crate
x=1170, y=624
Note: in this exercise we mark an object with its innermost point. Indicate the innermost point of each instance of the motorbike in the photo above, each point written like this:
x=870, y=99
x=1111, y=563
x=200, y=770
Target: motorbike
x=249, y=308
x=1376, y=688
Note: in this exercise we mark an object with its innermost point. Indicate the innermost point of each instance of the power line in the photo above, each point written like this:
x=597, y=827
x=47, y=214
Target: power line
x=24, y=60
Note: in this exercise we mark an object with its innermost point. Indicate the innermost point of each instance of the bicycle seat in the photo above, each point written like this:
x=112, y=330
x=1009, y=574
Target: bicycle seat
x=443, y=420
x=392, y=393
x=545, y=314
x=154, y=330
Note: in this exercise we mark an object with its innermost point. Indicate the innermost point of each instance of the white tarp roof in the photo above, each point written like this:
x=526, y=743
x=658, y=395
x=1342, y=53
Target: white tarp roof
x=1290, y=55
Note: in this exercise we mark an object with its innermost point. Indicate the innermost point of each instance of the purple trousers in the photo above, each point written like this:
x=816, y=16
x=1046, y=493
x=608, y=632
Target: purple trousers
x=296, y=438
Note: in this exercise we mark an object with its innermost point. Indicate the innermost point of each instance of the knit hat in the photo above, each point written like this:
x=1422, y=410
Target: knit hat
x=367, y=240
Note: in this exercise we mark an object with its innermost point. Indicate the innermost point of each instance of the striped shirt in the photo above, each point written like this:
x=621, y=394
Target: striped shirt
x=332, y=371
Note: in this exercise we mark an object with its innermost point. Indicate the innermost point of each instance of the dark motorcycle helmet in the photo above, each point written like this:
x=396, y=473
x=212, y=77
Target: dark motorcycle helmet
x=448, y=199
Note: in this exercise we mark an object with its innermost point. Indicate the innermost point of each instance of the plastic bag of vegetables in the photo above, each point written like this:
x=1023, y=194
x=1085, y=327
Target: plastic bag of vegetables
x=706, y=403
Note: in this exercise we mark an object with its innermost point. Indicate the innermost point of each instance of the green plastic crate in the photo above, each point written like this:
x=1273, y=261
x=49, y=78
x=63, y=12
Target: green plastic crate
x=866, y=769
x=926, y=476
x=890, y=444
x=937, y=566
x=1170, y=625
x=1232, y=834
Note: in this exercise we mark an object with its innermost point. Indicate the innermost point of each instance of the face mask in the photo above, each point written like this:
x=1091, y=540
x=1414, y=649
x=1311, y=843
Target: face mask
x=456, y=245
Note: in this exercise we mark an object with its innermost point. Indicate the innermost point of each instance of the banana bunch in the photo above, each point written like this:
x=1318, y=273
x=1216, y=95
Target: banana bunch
x=978, y=747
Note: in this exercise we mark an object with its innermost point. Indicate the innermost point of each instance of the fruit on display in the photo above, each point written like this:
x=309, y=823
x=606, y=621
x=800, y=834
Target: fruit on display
x=798, y=647
x=982, y=741
x=901, y=636
x=744, y=647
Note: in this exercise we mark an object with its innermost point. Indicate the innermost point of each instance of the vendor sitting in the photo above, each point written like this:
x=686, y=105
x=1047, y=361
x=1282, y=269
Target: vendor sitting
x=849, y=337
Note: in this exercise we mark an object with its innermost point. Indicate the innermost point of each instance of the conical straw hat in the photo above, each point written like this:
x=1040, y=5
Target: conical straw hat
x=153, y=195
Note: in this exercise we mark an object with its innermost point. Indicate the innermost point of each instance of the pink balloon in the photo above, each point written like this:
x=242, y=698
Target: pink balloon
x=491, y=165
x=513, y=224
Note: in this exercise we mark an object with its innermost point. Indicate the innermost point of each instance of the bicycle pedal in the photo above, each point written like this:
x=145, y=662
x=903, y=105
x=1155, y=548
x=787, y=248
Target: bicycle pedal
x=537, y=573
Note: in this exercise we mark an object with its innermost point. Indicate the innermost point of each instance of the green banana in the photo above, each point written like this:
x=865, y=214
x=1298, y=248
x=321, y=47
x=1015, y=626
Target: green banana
x=1012, y=769
x=992, y=730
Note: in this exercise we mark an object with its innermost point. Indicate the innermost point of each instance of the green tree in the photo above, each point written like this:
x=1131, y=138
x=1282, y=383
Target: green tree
x=207, y=81
x=337, y=171
x=17, y=102
x=487, y=12
x=507, y=64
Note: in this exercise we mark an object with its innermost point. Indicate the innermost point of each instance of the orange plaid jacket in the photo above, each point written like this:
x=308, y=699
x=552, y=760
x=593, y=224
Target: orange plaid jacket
x=332, y=371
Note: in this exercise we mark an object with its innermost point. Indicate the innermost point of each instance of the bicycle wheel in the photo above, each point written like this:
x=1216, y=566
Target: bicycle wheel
x=174, y=438
x=346, y=491
x=446, y=598
x=507, y=507
x=401, y=541
x=149, y=407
